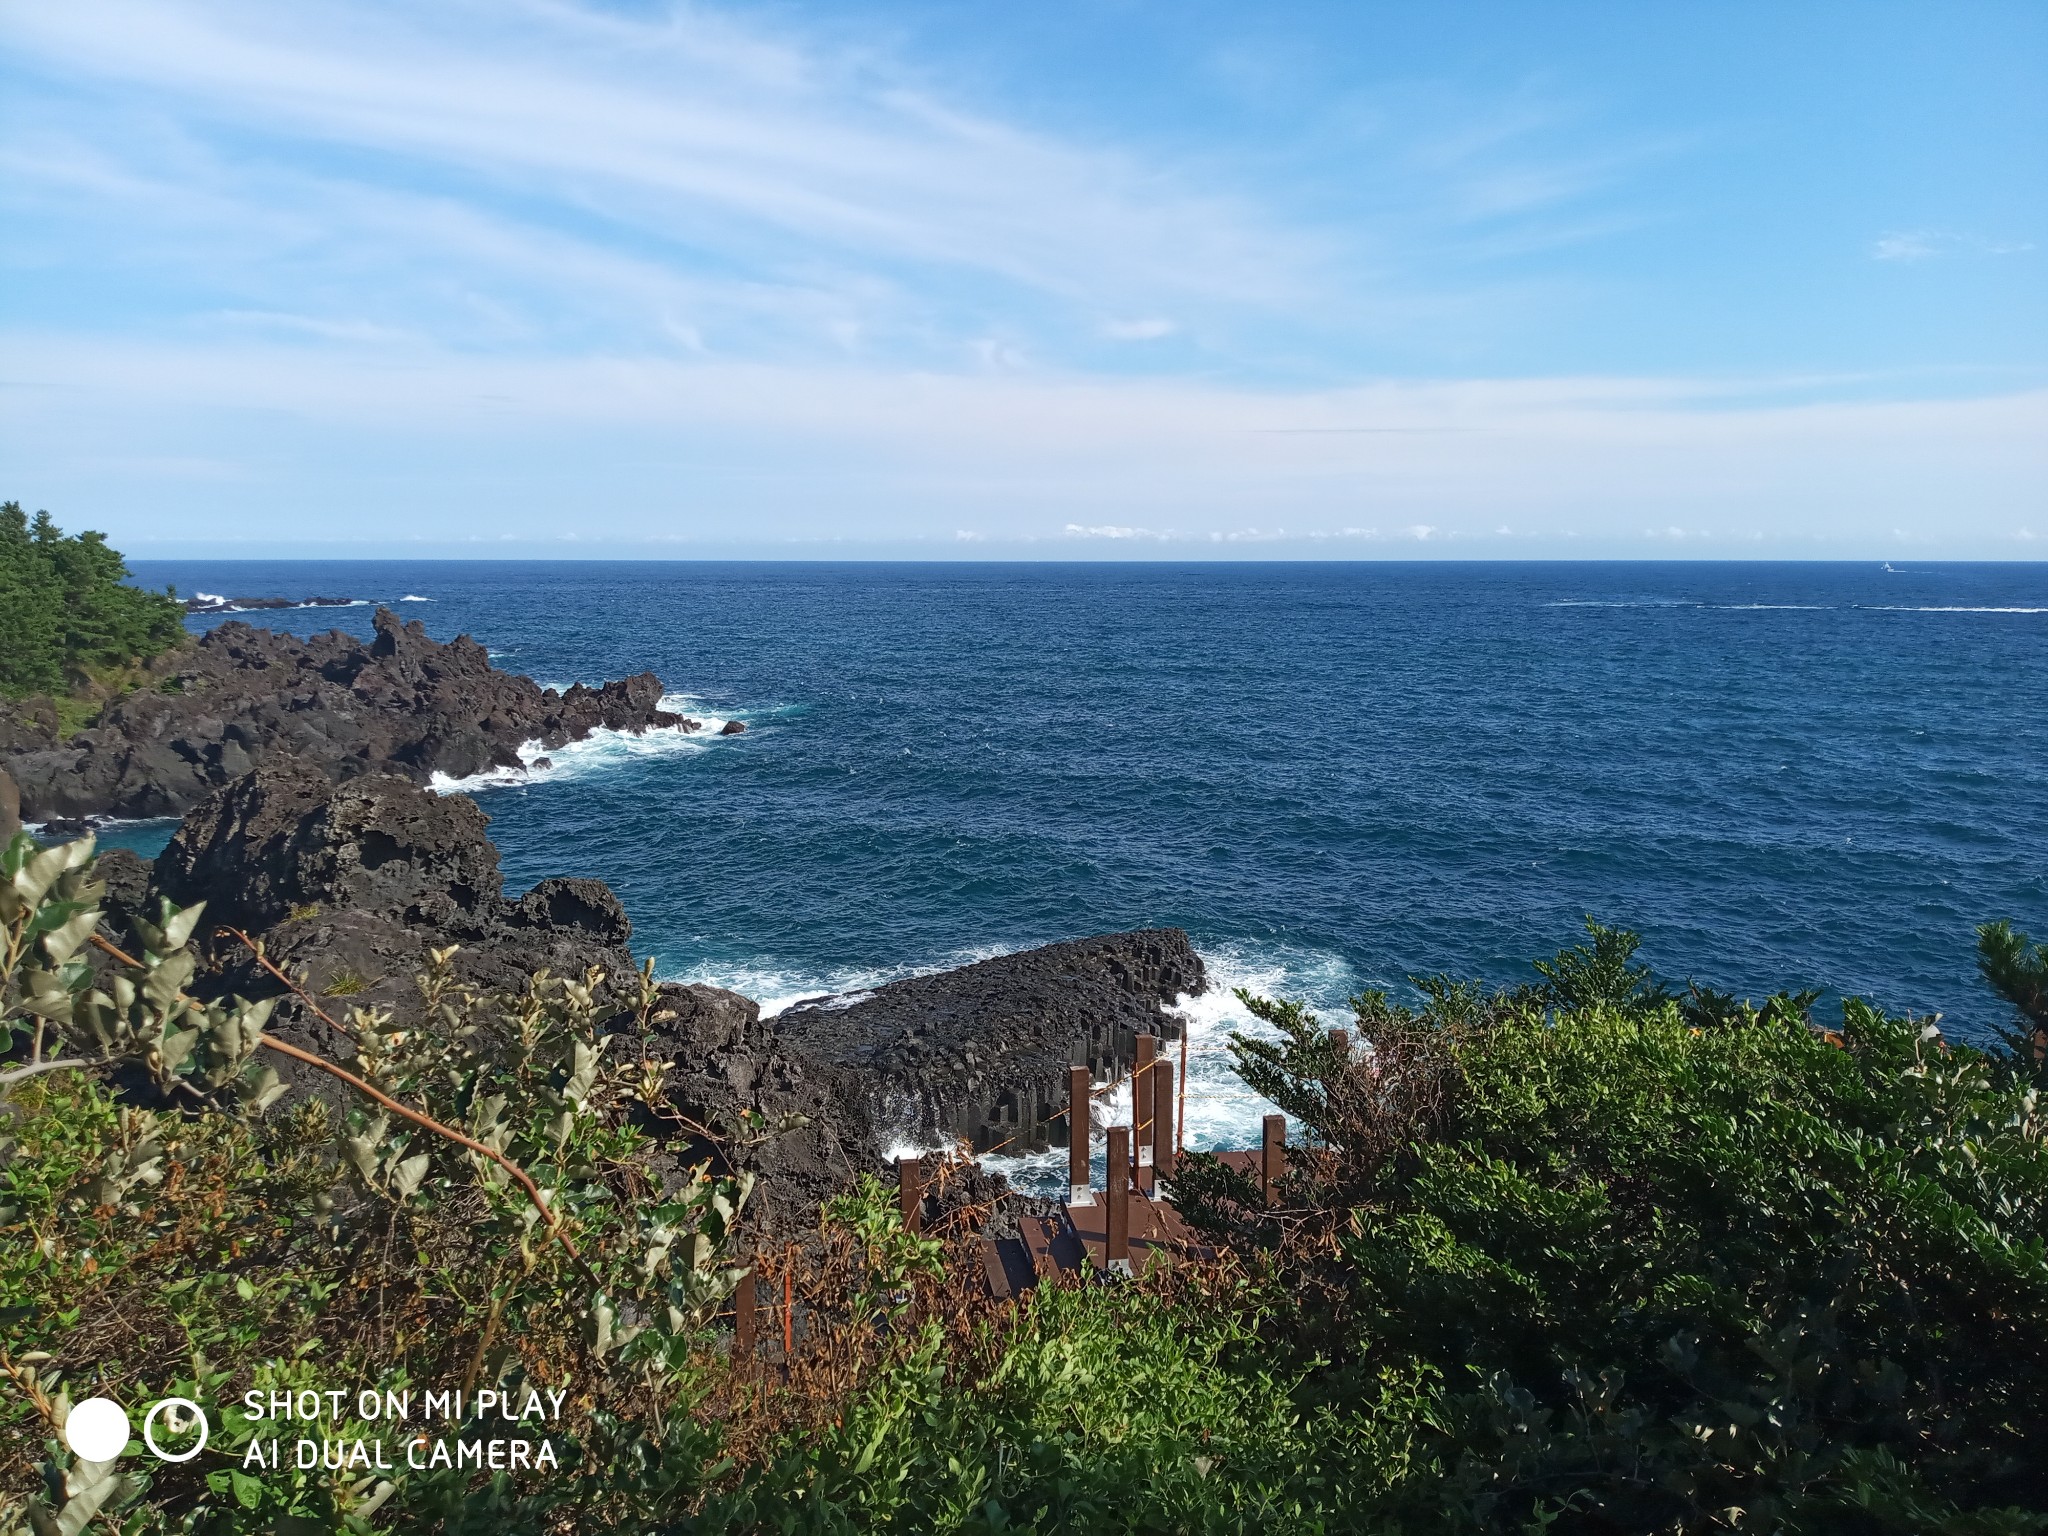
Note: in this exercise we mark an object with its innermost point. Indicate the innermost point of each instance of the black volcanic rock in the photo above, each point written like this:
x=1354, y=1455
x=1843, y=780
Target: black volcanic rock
x=572, y=905
x=245, y=604
x=285, y=838
x=239, y=697
x=982, y=1052
x=349, y=885
x=27, y=725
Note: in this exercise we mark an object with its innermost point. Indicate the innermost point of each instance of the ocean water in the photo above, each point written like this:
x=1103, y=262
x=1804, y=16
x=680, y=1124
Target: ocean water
x=1333, y=776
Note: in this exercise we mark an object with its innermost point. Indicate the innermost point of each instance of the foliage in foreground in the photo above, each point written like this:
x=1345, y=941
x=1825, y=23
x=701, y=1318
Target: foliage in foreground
x=1585, y=1256
x=66, y=609
x=1670, y=1264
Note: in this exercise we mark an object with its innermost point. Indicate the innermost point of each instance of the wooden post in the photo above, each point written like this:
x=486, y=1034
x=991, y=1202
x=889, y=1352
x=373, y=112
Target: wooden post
x=1142, y=1110
x=1162, y=1119
x=1116, y=1251
x=789, y=1306
x=1341, y=1038
x=1180, y=1119
x=743, y=1319
x=910, y=1191
x=1079, y=1180
x=1272, y=1157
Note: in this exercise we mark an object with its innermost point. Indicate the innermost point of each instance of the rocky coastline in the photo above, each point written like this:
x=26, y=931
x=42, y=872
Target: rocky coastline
x=300, y=768
x=347, y=885
x=207, y=602
x=240, y=697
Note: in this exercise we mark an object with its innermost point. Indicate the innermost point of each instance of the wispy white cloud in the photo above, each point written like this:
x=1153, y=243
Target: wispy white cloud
x=681, y=127
x=327, y=329
x=1911, y=245
x=1151, y=329
x=1115, y=531
x=549, y=173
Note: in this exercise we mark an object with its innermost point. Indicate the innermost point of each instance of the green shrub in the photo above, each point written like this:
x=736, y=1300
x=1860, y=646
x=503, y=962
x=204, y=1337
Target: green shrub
x=213, y=1245
x=1591, y=1255
x=1674, y=1267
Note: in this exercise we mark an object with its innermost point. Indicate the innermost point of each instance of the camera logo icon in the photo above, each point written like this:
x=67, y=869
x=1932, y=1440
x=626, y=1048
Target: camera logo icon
x=98, y=1429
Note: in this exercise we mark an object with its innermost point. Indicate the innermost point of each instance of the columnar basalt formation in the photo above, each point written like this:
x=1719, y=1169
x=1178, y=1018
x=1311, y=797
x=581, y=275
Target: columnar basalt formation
x=982, y=1053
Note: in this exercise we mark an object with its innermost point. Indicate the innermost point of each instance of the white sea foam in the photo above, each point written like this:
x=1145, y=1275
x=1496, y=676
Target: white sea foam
x=777, y=987
x=1221, y=1112
x=233, y=607
x=600, y=751
x=413, y=598
x=1904, y=608
x=1623, y=602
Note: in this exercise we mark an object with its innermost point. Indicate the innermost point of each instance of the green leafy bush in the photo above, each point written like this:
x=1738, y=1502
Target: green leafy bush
x=205, y=1245
x=1589, y=1255
x=1670, y=1267
x=66, y=608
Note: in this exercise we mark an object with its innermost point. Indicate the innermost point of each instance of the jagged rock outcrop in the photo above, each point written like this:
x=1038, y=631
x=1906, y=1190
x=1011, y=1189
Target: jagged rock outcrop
x=352, y=883
x=983, y=1052
x=27, y=725
x=403, y=704
x=348, y=885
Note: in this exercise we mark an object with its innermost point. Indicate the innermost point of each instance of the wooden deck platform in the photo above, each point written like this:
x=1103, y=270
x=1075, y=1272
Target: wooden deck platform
x=1075, y=1241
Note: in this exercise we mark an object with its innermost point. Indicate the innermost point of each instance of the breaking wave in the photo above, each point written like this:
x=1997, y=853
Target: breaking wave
x=603, y=749
x=779, y=987
x=1220, y=1111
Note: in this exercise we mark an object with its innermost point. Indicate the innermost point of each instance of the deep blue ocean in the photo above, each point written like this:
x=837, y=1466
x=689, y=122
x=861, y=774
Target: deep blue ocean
x=1332, y=775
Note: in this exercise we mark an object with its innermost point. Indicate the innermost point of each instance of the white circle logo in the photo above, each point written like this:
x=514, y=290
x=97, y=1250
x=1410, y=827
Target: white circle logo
x=191, y=1412
x=96, y=1429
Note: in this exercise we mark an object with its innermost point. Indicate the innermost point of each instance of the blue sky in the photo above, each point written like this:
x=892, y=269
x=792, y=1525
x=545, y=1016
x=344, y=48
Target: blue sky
x=1089, y=280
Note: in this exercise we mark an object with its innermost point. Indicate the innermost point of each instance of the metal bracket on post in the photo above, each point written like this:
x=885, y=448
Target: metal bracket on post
x=1079, y=1180
x=1116, y=1247
x=910, y=1190
x=1272, y=1157
x=1142, y=1111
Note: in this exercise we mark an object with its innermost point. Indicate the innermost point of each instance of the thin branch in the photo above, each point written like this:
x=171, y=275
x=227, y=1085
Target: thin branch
x=426, y=1122
x=9, y=1079
x=24, y=1377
